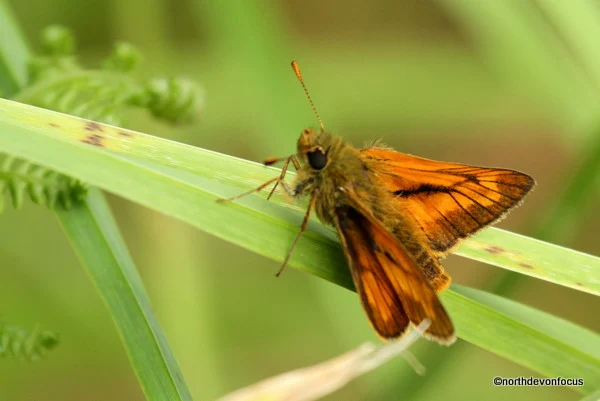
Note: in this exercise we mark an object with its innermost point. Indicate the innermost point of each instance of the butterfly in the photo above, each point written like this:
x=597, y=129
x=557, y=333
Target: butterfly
x=396, y=216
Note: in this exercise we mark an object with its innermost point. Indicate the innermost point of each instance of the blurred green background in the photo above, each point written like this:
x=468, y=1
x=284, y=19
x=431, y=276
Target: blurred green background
x=508, y=84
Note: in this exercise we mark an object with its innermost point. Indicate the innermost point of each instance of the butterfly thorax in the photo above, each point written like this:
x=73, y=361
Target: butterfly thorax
x=336, y=171
x=343, y=178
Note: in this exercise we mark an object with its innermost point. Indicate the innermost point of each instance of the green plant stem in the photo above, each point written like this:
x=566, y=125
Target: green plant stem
x=96, y=239
x=581, y=189
x=14, y=54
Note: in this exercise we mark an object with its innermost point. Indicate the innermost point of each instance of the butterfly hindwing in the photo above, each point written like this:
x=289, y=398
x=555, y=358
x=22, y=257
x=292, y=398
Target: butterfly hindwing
x=391, y=286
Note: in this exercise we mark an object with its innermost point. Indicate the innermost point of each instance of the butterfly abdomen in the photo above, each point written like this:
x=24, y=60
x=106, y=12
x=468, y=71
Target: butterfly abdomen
x=427, y=261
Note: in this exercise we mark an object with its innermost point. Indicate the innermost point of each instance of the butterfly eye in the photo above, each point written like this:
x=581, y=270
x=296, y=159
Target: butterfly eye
x=317, y=159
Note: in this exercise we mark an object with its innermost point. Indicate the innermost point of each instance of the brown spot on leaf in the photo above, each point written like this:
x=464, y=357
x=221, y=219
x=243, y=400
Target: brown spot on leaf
x=123, y=133
x=55, y=125
x=579, y=284
x=494, y=249
x=92, y=126
x=526, y=265
x=94, y=139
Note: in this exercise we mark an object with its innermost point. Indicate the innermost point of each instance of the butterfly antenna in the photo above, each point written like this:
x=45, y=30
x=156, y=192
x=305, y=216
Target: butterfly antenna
x=298, y=73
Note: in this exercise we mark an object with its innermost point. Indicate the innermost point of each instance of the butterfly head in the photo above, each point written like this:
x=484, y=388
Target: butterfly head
x=313, y=148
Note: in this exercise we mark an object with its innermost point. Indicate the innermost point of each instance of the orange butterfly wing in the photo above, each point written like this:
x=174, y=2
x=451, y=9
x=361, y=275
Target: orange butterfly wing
x=449, y=201
x=392, y=288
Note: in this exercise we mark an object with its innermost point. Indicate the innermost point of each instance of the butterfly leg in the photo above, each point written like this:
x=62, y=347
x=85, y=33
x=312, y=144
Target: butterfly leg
x=276, y=180
x=284, y=168
x=257, y=189
x=311, y=204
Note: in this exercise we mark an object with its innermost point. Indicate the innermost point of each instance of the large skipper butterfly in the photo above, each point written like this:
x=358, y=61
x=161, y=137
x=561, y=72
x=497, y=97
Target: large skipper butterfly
x=396, y=215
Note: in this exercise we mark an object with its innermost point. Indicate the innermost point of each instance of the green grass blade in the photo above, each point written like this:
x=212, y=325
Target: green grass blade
x=14, y=54
x=98, y=244
x=567, y=332
x=526, y=336
x=579, y=24
x=497, y=247
x=562, y=217
x=522, y=47
x=595, y=396
x=534, y=258
x=264, y=227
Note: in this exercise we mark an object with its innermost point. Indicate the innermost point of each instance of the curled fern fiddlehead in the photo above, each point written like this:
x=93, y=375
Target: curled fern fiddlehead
x=25, y=344
x=56, y=57
x=174, y=100
x=125, y=58
x=105, y=95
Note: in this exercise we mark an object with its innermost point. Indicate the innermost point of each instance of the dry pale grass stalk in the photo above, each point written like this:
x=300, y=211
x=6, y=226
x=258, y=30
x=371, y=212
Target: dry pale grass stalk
x=316, y=381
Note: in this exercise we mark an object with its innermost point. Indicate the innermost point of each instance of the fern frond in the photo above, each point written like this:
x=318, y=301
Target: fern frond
x=18, y=177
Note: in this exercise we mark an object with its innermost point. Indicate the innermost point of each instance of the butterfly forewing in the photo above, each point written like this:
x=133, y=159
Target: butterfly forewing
x=391, y=286
x=449, y=201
